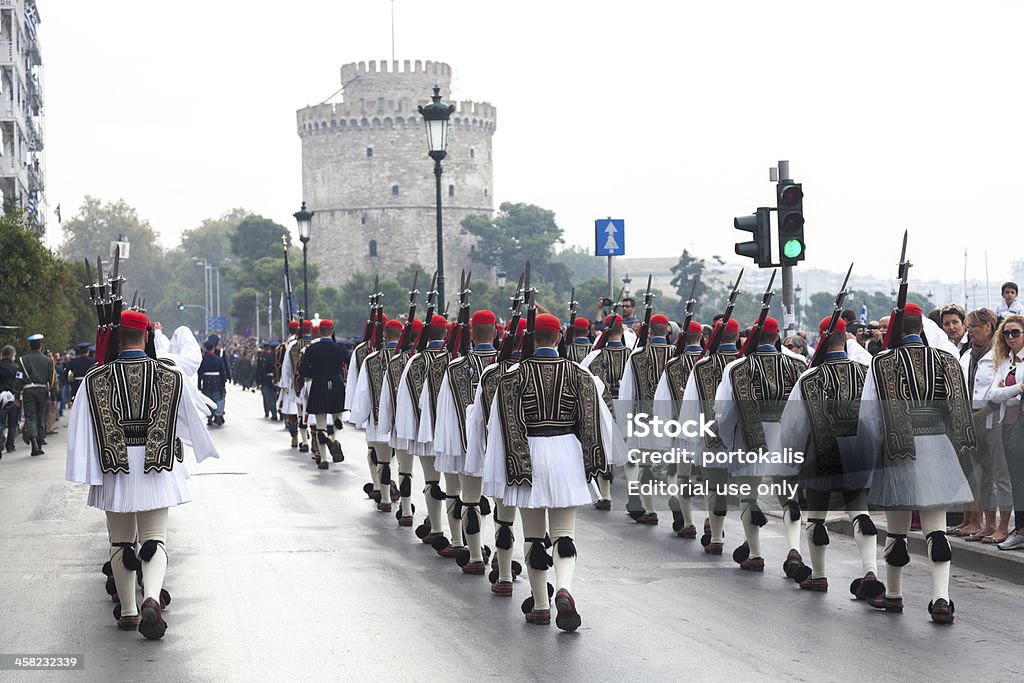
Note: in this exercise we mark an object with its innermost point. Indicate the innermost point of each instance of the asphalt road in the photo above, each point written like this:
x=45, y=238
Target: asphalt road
x=279, y=571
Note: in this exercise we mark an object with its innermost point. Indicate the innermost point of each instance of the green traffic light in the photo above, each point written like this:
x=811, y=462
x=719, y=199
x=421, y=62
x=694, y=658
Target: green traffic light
x=792, y=249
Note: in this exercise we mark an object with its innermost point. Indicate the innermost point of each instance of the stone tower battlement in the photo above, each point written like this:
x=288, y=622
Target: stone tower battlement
x=368, y=180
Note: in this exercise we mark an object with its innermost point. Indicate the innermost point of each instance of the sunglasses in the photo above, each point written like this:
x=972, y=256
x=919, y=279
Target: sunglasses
x=1011, y=334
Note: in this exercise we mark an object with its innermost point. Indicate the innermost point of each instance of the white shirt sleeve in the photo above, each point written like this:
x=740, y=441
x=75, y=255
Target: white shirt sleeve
x=425, y=432
x=589, y=358
x=285, y=382
x=795, y=426
x=351, y=381
x=869, y=420
x=362, y=401
x=627, y=392
x=857, y=352
x=725, y=410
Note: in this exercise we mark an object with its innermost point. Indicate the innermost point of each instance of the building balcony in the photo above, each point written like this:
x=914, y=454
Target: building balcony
x=7, y=54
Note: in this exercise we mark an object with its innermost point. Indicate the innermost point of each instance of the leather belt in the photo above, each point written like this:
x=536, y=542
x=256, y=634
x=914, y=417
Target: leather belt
x=549, y=431
x=35, y=386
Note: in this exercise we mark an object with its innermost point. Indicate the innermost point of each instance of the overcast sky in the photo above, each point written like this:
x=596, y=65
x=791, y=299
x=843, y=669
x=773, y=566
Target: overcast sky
x=666, y=114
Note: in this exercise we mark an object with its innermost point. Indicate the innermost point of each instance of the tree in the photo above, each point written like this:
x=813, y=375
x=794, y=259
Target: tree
x=583, y=264
x=243, y=309
x=212, y=238
x=516, y=234
x=686, y=270
x=40, y=290
x=90, y=231
x=256, y=237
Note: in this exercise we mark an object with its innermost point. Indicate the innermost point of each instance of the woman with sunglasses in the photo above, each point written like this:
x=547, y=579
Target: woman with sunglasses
x=986, y=472
x=1005, y=397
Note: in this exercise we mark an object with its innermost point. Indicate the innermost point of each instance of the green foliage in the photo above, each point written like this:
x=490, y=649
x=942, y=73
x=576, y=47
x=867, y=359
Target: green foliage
x=684, y=272
x=256, y=237
x=243, y=309
x=583, y=264
x=516, y=234
x=879, y=305
x=38, y=287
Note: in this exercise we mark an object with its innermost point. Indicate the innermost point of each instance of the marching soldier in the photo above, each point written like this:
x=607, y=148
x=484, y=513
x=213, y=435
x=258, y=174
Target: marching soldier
x=213, y=379
x=454, y=404
x=668, y=399
x=915, y=420
x=36, y=371
x=640, y=379
x=699, y=399
x=749, y=404
x=386, y=423
x=77, y=367
x=407, y=422
x=607, y=361
x=291, y=387
x=366, y=407
x=549, y=434
x=580, y=346
x=820, y=420
x=320, y=367
x=127, y=445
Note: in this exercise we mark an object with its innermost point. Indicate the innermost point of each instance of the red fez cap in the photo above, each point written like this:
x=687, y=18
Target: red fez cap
x=581, y=324
x=659, y=319
x=328, y=323
x=293, y=325
x=438, y=321
x=770, y=325
x=695, y=327
x=730, y=325
x=417, y=325
x=913, y=309
x=499, y=327
x=522, y=326
x=547, y=323
x=823, y=325
x=316, y=327
x=610, y=320
x=393, y=324
x=484, y=318
x=134, y=320
x=307, y=323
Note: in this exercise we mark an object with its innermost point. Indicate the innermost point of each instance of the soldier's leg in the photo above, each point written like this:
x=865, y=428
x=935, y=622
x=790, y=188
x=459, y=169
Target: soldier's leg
x=749, y=554
x=152, y=527
x=535, y=547
x=453, y=489
x=372, y=488
x=562, y=522
x=717, y=506
x=794, y=566
x=472, y=520
x=897, y=524
x=434, y=498
x=866, y=537
x=124, y=562
x=325, y=435
x=320, y=439
x=682, y=503
x=647, y=499
x=382, y=453
x=634, y=503
x=933, y=527
x=405, y=486
x=504, y=538
x=293, y=429
x=604, y=489
x=817, y=540
x=303, y=429
x=31, y=406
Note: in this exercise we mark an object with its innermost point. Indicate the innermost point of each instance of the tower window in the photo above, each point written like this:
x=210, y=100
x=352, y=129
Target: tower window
x=362, y=220
x=485, y=191
x=451, y=190
x=472, y=153
x=373, y=248
x=369, y=152
x=394, y=190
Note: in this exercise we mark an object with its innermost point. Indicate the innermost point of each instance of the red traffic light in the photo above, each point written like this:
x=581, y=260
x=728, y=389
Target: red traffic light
x=790, y=197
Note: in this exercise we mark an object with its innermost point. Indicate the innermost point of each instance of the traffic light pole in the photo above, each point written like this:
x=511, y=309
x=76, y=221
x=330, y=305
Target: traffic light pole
x=788, y=316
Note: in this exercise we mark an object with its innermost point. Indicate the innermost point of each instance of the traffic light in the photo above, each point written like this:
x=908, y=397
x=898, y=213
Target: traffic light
x=791, y=222
x=180, y=305
x=759, y=248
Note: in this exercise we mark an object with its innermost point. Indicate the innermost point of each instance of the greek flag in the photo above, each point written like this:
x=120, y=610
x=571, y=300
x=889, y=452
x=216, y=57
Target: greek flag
x=864, y=312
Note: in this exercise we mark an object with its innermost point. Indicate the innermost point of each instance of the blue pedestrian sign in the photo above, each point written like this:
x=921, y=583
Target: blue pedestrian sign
x=217, y=323
x=609, y=237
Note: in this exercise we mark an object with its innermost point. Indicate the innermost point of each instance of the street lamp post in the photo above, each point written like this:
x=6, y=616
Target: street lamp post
x=304, y=218
x=625, y=284
x=435, y=118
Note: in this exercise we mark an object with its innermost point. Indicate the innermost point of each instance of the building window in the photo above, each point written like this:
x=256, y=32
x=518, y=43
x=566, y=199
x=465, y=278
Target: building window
x=394, y=190
x=373, y=248
x=362, y=220
x=451, y=190
x=472, y=153
x=369, y=152
x=485, y=191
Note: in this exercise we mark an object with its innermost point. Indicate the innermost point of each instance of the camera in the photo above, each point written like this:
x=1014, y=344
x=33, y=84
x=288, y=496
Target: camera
x=605, y=301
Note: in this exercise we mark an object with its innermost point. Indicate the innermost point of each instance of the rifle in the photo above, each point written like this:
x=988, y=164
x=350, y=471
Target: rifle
x=563, y=345
x=368, y=327
x=755, y=332
x=681, y=342
x=645, y=328
x=288, y=279
x=826, y=337
x=895, y=330
x=529, y=296
x=406, y=337
x=378, y=329
x=716, y=335
x=461, y=345
x=451, y=336
x=421, y=342
x=509, y=342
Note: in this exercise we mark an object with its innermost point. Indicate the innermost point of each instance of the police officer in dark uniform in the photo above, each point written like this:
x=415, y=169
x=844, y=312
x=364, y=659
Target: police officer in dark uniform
x=213, y=379
x=75, y=369
x=37, y=374
x=265, y=379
